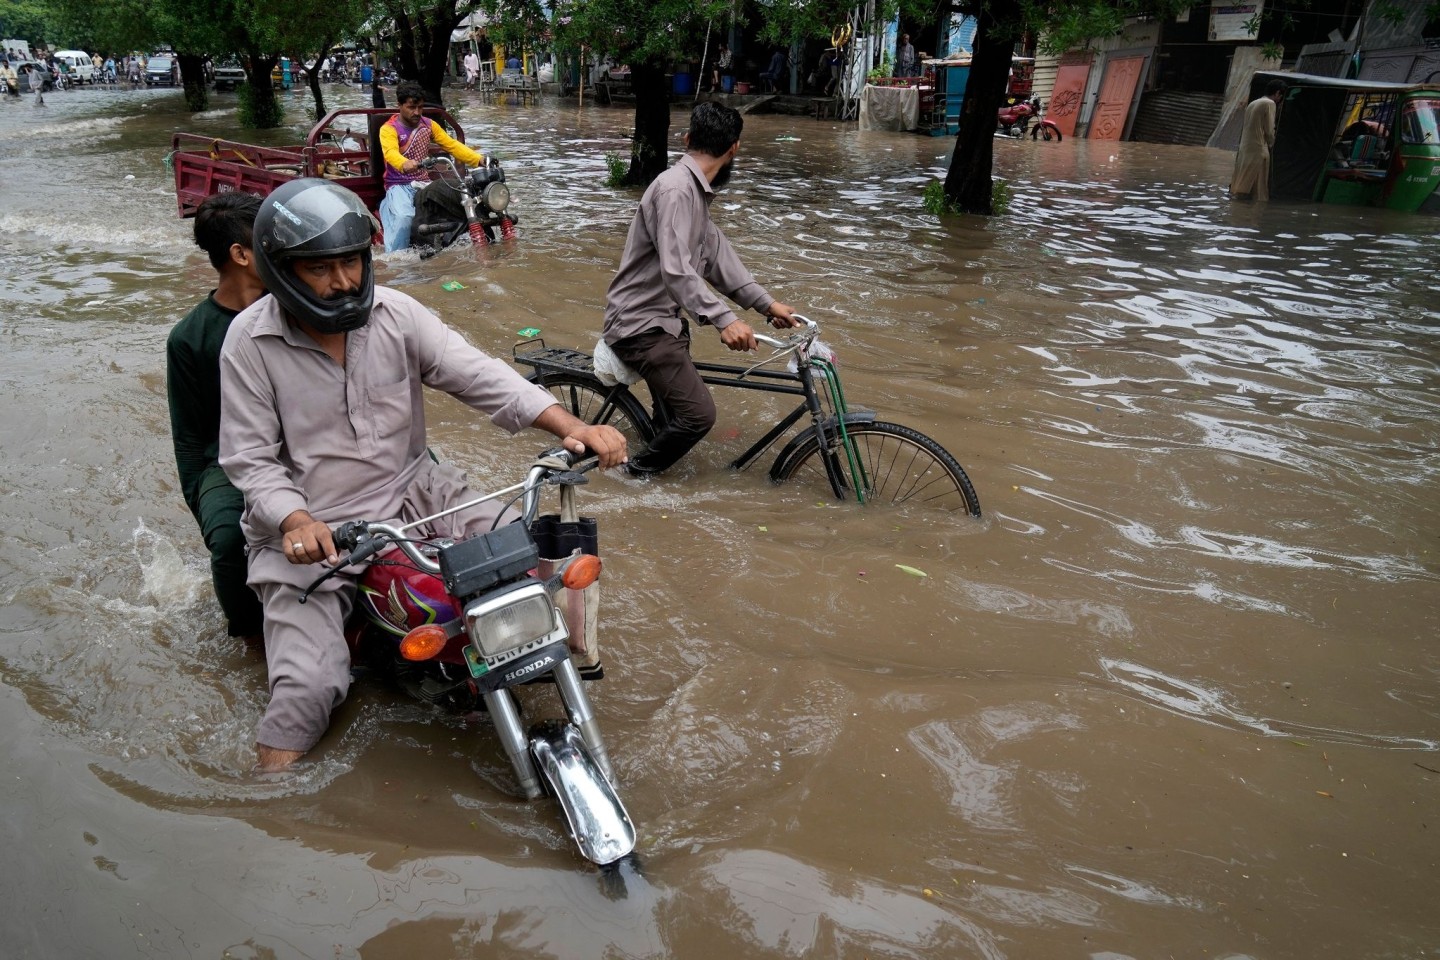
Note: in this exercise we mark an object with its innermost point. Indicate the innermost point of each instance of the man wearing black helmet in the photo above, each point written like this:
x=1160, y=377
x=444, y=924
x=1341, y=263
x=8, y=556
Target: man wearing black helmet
x=324, y=421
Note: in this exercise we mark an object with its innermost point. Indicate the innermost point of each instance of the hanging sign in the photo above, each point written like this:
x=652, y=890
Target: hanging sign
x=1235, y=21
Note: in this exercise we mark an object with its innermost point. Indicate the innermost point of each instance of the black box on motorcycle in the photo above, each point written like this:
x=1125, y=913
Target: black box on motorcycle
x=479, y=563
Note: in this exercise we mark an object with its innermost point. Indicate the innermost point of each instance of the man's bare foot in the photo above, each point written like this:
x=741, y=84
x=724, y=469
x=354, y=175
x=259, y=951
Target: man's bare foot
x=272, y=760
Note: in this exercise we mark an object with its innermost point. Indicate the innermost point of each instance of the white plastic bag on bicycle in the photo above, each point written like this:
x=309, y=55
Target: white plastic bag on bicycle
x=610, y=369
x=817, y=350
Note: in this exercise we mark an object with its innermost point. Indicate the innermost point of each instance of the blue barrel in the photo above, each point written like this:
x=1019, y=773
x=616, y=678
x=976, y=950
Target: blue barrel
x=684, y=83
x=367, y=73
x=727, y=84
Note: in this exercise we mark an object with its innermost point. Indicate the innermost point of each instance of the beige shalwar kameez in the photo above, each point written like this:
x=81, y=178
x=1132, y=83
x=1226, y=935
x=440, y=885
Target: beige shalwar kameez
x=300, y=432
x=1252, y=164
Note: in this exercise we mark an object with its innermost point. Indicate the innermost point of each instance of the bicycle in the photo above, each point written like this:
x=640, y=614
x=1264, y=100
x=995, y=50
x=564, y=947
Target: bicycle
x=858, y=456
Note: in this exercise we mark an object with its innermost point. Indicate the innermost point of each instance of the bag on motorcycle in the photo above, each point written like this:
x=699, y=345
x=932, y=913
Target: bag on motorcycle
x=438, y=203
x=558, y=538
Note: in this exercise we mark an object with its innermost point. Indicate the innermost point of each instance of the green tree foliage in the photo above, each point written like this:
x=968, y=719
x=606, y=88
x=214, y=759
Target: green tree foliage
x=257, y=31
x=647, y=35
x=651, y=36
x=306, y=31
x=28, y=20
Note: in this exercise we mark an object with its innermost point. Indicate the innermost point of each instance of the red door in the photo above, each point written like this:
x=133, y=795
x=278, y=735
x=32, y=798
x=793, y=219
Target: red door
x=1116, y=91
x=1068, y=95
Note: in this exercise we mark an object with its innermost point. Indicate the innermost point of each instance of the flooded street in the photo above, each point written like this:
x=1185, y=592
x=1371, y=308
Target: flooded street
x=1177, y=693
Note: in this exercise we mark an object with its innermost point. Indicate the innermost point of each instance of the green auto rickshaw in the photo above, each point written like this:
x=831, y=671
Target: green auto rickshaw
x=1356, y=142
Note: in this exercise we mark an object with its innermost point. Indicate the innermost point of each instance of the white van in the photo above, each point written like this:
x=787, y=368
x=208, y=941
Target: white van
x=82, y=69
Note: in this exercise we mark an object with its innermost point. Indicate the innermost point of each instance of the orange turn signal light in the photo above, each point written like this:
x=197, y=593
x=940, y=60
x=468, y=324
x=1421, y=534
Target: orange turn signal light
x=581, y=572
x=424, y=642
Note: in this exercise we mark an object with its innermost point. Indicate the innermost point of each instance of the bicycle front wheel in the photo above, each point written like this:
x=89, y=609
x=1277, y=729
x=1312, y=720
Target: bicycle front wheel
x=590, y=400
x=897, y=465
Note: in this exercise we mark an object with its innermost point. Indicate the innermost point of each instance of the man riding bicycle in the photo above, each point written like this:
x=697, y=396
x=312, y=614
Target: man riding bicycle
x=673, y=254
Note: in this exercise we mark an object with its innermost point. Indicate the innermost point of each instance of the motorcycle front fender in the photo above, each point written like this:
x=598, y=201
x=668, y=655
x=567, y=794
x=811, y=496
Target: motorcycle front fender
x=598, y=822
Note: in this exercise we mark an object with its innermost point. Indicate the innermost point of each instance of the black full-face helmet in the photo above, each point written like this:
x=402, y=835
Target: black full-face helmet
x=307, y=219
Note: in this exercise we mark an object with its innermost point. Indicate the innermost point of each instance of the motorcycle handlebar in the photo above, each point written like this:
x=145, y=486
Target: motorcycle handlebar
x=365, y=539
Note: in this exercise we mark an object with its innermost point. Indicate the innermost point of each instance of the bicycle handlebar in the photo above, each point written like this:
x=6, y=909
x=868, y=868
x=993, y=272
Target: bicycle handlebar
x=803, y=338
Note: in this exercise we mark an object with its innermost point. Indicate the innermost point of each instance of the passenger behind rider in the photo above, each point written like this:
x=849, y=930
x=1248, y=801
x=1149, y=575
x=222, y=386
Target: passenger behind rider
x=223, y=226
x=324, y=421
x=405, y=141
x=673, y=255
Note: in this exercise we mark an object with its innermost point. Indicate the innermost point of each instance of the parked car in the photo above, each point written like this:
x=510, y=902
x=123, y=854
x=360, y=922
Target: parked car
x=23, y=73
x=160, y=72
x=82, y=68
x=229, y=75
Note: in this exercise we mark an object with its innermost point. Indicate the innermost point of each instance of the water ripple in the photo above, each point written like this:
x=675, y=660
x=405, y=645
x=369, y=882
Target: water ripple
x=1210, y=706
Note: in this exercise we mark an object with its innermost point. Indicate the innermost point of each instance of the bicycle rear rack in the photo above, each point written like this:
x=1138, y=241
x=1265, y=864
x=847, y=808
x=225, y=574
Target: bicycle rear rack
x=558, y=359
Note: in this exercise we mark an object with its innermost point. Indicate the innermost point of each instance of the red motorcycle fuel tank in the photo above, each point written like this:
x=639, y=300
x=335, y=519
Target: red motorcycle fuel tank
x=394, y=597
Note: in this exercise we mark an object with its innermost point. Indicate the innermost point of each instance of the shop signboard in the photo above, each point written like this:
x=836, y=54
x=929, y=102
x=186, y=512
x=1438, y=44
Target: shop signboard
x=1235, y=21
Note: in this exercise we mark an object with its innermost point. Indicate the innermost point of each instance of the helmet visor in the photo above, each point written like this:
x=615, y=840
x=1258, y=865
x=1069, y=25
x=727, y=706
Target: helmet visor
x=313, y=214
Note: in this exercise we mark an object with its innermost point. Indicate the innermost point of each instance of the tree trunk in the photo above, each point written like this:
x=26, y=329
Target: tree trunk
x=423, y=47
x=437, y=54
x=648, y=154
x=312, y=74
x=259, y=110
x=192, y=75
x=968, y=184
x=405, y=64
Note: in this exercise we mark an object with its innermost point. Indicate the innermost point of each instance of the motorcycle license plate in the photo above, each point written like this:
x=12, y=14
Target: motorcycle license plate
x=477, y=666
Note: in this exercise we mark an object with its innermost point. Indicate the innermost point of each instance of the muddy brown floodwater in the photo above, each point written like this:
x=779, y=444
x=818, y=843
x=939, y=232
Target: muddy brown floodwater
x=1176, y=694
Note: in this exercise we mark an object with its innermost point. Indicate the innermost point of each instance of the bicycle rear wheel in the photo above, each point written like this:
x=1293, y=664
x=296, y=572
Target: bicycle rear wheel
x=899, y=466
x=590, y=400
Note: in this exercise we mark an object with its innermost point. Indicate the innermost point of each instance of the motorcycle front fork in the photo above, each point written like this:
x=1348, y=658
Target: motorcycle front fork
x=506, y=715
x=479, y=237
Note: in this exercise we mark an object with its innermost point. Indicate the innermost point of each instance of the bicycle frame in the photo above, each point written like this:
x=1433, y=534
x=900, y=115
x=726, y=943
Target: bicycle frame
x=826, y=426
x=773, y=381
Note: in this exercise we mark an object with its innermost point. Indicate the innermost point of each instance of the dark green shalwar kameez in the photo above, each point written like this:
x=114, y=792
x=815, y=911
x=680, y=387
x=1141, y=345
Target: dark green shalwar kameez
x=192, y=362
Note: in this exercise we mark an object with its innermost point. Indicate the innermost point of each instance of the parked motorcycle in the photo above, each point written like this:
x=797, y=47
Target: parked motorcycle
x=477, y=203
x=1016, y=119
x=463, y=624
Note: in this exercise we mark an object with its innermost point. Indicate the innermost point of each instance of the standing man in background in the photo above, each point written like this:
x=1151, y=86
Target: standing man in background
x=906, y=63
x=472, y=69
x=1252, y=163
x=223, y=226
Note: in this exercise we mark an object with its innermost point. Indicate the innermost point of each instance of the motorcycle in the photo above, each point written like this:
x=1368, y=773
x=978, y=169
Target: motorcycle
x=477, y=203
x=1016, y=119
x=461, y=624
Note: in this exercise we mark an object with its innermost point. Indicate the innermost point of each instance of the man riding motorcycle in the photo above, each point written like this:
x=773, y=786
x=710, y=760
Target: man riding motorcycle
x=405, y=142
x=324, y=421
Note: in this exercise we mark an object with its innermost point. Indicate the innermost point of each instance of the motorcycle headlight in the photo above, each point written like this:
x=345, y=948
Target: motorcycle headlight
x=496, y=197
x=512, y=619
